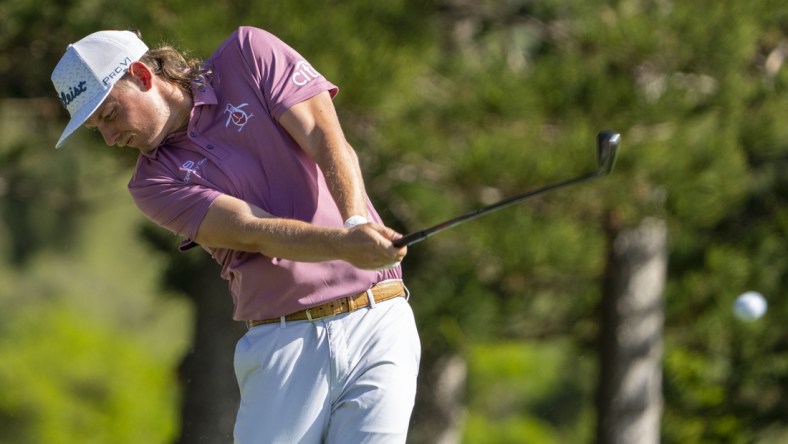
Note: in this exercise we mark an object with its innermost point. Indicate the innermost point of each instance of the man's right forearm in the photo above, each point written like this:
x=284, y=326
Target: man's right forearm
x=231, y=223
x=236, y=225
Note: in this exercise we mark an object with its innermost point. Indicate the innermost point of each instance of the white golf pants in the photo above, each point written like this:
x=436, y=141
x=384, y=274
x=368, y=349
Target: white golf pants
x=347, y=379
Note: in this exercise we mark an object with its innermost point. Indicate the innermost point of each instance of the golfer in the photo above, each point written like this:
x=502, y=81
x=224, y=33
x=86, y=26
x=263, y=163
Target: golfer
x=243, y=155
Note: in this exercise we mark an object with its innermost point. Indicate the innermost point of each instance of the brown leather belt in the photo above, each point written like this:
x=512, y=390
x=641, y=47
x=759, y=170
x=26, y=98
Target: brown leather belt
x=380, y=292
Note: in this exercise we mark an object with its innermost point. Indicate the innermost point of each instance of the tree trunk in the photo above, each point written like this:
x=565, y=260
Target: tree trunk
x=439, y=413
x=629, y=398
x=209, y=389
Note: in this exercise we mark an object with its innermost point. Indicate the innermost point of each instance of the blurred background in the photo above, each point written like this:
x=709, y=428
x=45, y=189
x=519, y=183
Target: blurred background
x=598, y=314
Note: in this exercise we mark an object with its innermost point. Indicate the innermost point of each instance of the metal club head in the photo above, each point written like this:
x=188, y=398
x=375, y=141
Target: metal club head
x=607, y=143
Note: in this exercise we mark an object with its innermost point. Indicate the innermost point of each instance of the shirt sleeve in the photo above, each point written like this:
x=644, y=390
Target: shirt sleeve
x=174, y=205
x=283, y=75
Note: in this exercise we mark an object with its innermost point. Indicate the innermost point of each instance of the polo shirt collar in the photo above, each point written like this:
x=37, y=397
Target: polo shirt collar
x=204, y=95
x=201, y=95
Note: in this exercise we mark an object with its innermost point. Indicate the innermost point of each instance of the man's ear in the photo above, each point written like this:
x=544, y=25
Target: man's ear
x=141, y=75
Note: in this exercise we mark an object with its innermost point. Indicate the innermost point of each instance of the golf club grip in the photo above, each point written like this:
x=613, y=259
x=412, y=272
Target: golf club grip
x=409, y=239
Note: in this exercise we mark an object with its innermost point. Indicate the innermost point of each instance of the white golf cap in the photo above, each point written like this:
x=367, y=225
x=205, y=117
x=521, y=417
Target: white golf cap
x=89, y=69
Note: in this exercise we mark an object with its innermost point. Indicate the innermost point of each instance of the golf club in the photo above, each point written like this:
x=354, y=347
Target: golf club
x=607, y=150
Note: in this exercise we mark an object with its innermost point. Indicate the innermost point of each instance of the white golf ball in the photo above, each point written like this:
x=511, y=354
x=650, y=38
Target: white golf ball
x=749, y=306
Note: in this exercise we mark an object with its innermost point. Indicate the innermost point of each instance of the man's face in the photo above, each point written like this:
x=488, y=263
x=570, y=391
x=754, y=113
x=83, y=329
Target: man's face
x=131, y=116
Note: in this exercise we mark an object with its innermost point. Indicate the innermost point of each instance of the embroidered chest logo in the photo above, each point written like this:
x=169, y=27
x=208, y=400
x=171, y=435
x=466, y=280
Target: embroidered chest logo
x=238, y=116
x=192, y=168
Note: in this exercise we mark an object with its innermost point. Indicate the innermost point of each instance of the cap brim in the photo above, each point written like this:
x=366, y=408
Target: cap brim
x=81, y=116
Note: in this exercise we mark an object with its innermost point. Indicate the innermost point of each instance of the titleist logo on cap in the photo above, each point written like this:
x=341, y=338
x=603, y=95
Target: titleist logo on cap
x=73, y=93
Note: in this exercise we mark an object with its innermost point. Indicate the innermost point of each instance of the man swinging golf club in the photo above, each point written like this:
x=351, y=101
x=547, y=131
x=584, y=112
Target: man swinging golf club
x=244, y=155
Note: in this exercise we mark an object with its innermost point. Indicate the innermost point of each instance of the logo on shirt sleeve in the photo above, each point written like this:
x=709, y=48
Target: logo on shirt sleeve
x=238, y=116
x=304, y=73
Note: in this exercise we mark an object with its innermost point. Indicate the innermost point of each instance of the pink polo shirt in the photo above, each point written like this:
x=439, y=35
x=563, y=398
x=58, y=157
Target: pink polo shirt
x=234, y=145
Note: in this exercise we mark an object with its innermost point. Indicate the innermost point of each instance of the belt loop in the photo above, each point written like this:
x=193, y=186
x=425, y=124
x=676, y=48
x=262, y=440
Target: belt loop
x=407, y=292
x=309, y=314
x=281, y=322
x=371, y=297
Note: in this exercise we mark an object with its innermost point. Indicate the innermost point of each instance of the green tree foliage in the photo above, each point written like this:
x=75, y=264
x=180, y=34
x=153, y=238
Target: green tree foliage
x=87, y=343
x=514, y=103
x=69, y=379
x=511, y=378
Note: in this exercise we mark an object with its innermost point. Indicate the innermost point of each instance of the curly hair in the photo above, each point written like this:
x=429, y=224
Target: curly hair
x=175, y=66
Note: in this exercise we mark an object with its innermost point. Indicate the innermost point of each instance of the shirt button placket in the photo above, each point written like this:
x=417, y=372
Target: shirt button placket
x=198, y=140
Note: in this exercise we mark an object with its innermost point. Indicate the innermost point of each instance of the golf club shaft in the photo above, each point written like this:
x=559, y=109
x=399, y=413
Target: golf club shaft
x=419, y=236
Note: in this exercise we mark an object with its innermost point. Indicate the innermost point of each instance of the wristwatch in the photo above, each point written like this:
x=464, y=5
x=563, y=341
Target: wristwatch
x=352, y=221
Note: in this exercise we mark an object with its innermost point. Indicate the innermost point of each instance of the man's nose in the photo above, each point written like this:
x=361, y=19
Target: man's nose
x=109, y=134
